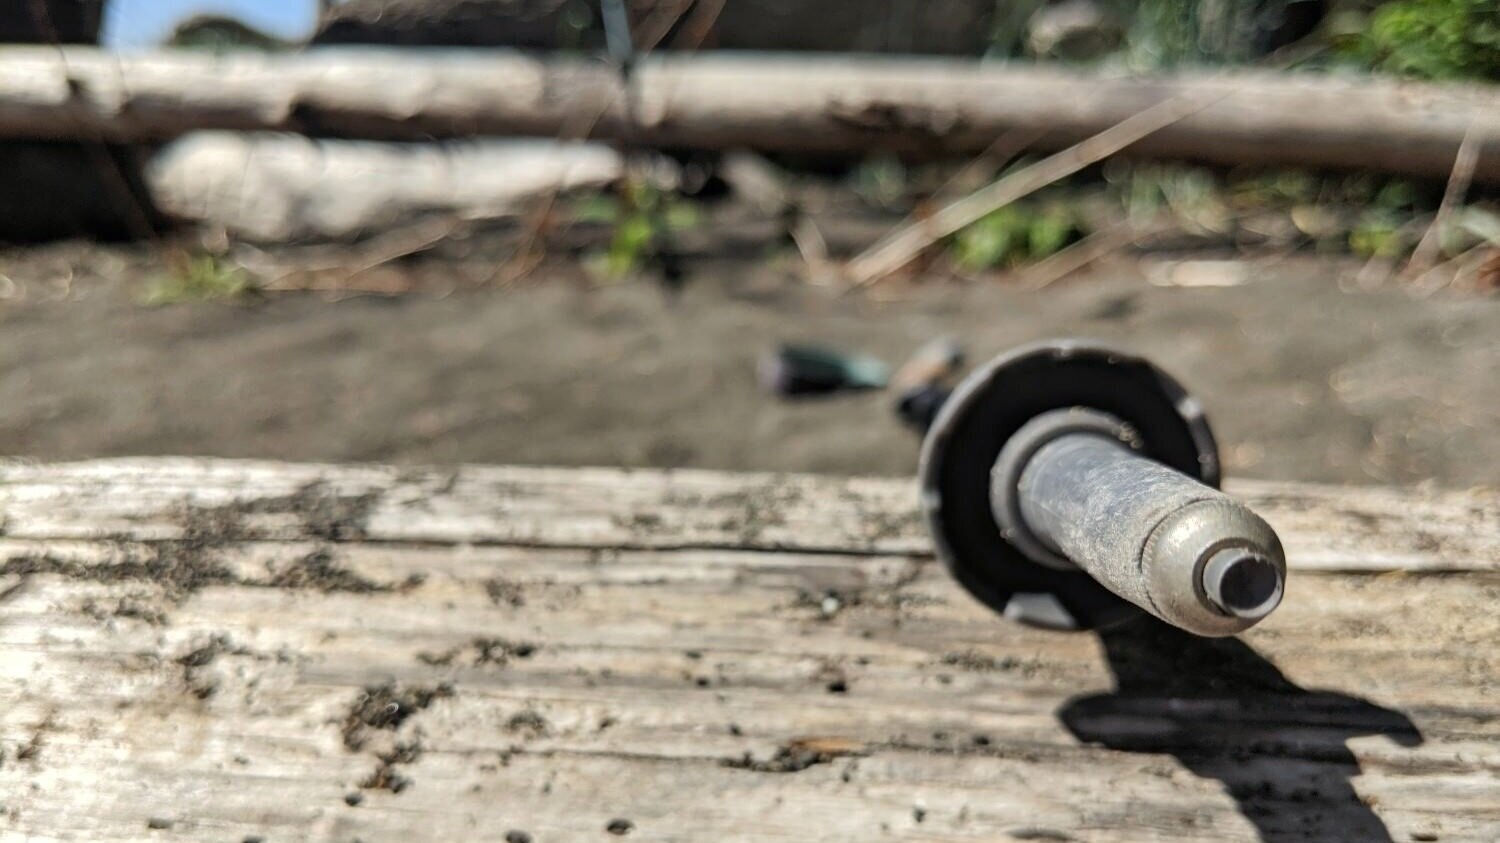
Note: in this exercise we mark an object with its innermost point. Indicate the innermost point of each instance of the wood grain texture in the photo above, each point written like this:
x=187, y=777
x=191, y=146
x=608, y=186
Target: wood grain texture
x=842, y=104
x=216, y=650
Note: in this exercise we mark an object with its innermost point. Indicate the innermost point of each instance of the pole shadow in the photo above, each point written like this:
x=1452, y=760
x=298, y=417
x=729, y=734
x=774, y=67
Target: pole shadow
x=1226, y=713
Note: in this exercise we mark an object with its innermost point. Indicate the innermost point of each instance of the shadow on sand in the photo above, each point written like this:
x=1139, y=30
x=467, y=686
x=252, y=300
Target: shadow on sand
x=1226, y=713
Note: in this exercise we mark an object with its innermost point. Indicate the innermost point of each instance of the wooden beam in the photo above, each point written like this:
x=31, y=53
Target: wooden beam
x=198, y=649
x=844, y=104
x=1328, y=528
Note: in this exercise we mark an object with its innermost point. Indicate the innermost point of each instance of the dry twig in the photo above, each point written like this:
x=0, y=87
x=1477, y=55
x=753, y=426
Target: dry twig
x=907, y=243
x=1425, y=255
x=1094, y=247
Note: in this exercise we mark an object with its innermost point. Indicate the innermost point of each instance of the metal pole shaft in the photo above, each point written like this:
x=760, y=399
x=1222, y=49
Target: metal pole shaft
x=1177, y=548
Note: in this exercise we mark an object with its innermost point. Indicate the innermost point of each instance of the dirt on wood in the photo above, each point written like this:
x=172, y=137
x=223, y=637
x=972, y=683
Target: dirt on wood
x=384, y=708
x=170, y=570
x=846, y=681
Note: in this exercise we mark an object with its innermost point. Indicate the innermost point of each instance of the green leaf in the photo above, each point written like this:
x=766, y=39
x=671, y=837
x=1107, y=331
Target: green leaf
x=1378, y=235
x=199, y=278
x=627, y=249
x=991, y=241
x=1050, y=232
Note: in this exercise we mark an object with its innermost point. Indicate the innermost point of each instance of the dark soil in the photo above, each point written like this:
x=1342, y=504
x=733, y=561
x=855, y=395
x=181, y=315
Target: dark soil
x=1304, y=377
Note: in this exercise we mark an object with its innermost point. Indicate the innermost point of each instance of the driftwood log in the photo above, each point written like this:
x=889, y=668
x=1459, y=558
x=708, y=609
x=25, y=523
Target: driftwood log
x=842, y=104
x=213, y=650
x=284, y=188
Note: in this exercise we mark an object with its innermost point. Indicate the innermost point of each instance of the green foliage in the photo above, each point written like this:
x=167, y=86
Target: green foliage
x=1192, y=195
x=595, y=208
x=200, y=278
x=638, y=214
x=1015, y=235
x=1385, y=227
x=1378, y=234
x=1434, y=39
x=1165, y=33
x=881, y=181
x=1365, y=213
x=1160, y=33
x=1281, y=188
x=1392, y=233
x=1428, y=39
x=1008, y=35
x=1274, y=189
x=629, y=246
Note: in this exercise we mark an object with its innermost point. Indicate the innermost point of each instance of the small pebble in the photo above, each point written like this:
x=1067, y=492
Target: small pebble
x=620, y=828
x=158, y=823
x=517, y=837
x=353, y=799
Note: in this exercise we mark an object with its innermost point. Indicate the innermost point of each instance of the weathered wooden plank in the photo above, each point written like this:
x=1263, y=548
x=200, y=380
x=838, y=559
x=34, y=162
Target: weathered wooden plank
x=768, y=659
x=214, y=679
x=1327, y=528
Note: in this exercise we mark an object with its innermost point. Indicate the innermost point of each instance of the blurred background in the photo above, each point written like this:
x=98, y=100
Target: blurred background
x=584, y=301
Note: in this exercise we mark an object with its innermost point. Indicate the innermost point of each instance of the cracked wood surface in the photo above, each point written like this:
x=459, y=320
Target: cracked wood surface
x=217, y=650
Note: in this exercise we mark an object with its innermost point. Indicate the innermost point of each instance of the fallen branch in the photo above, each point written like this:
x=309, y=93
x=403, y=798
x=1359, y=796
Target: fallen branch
x=1425, y=255
x=340, y=276
x=1087, y=251
x=815, y=104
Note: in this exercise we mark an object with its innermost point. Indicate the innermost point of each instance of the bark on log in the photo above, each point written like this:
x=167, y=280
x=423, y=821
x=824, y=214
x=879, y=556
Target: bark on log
x=835, y=105
x=200, y=649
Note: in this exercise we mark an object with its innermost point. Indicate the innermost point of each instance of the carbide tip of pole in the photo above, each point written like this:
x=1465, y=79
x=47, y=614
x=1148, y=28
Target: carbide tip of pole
x=1242, y=582
x=1214, y=568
